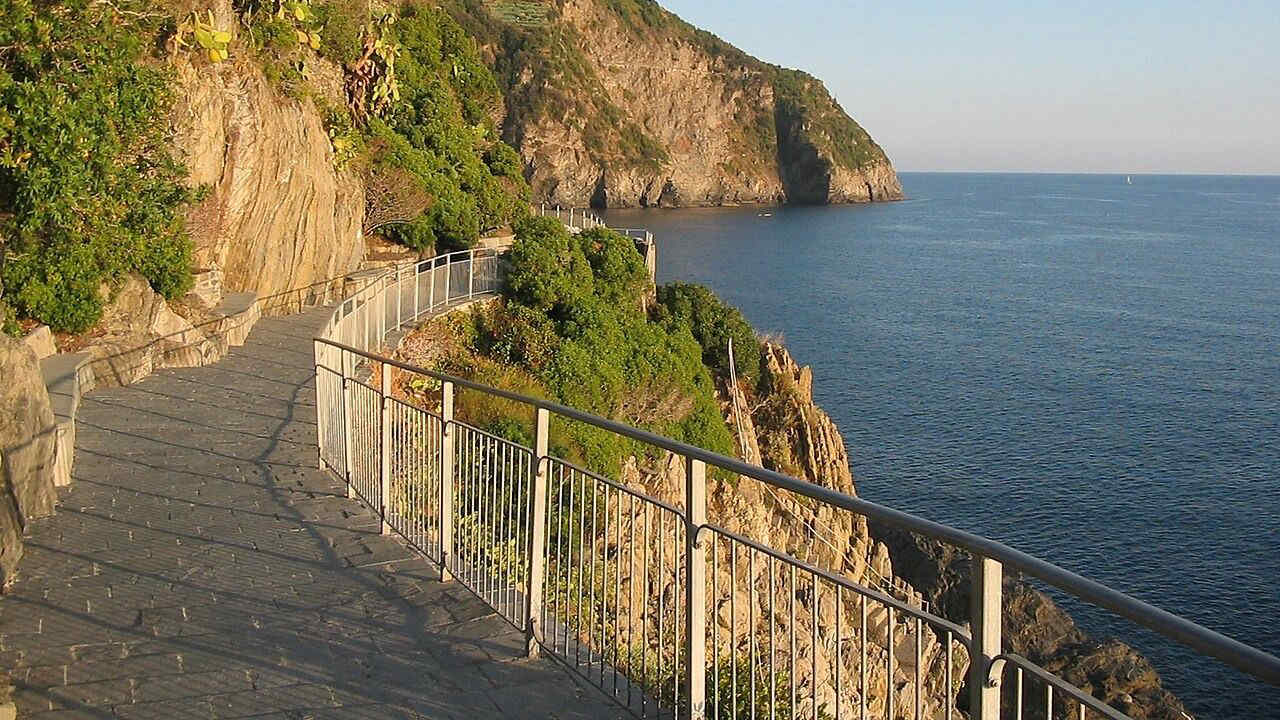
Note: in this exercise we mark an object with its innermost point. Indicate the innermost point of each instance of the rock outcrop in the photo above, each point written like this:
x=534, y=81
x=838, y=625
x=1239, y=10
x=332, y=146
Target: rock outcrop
x=278, y=215
x=26, y=449
x=787, y=431
x=1036, y=628
x=623, y=107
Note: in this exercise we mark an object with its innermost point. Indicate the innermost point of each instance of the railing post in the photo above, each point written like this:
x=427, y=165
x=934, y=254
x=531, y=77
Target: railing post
x=471, y=274
x=448, y=276
x=534, y=632
x=431, y=302
x=385, y=445
x=399, y=283
x=986, y=604
x=695, y=589
x=416, y=291
x=346, y=421
x=322, y=426
x=447, y=436
x=382, y=318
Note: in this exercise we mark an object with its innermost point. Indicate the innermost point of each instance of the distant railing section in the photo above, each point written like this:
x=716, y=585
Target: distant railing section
x=671, y=613
x=577, y=218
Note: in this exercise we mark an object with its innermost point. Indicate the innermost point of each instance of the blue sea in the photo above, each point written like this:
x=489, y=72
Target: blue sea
x=1086, y=369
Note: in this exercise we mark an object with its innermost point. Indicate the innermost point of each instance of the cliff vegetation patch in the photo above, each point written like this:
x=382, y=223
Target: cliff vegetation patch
x=89, y=190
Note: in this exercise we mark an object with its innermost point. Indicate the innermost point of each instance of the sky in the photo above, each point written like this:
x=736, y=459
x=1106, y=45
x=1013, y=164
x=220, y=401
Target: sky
x=1164, y=86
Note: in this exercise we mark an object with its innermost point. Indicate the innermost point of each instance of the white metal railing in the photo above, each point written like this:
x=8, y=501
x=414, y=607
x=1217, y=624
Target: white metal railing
x=672, y=612
x=577, y=218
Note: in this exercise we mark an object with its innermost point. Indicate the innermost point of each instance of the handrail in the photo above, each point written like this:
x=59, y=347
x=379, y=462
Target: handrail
x=1210, y=642
x=356, y=438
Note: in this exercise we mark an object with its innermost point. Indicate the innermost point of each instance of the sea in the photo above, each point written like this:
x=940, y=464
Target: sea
x=1085, y=367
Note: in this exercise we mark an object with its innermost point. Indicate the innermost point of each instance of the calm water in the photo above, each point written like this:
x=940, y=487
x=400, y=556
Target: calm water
x=1087, y=370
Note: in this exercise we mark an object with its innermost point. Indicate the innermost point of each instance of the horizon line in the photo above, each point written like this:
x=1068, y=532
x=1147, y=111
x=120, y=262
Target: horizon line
x=1147, y=173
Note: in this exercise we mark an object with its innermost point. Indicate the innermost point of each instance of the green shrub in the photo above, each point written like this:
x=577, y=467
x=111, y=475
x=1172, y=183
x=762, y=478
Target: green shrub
x=418, y=234
x=88, y=186
x=442, y=130
x=342, y=24
x=546, y=274
x=712, y=323
x=573, y=318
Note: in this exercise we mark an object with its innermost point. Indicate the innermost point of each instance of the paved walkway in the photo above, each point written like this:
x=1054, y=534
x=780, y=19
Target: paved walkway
x=200, y=566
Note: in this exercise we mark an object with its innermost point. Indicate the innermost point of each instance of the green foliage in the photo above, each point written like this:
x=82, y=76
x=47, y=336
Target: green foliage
x=417, y=234
x=88, y=189
x=442, y=131
x=574, y=319
x=342, y=24
x=545, y=273
x=713, y=323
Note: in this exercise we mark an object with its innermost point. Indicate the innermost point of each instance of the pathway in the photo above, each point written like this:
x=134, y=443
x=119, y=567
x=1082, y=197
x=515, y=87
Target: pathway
x=200, y=566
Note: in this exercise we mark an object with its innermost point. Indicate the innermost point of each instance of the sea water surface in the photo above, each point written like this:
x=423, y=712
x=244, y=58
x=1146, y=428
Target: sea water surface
x=1086, y=369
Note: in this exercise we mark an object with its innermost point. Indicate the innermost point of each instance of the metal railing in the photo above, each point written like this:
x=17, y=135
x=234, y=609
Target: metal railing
x=577, y=218
x=673, y=613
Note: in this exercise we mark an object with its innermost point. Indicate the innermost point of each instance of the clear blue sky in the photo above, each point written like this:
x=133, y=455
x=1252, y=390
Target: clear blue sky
x=1094, y=86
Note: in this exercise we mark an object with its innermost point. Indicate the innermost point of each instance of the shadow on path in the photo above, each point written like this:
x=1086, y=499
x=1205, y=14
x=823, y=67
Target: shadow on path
x=201, y=567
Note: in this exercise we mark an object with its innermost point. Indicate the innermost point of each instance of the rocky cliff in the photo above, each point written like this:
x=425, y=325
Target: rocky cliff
x=780, y=427
x=619, y=103
x=26, y=450
x=277, y=214
x=277, y=218
x=1036, y=628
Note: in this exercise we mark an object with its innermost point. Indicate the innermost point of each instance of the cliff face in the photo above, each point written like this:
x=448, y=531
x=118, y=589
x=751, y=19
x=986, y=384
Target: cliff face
x=1036, y=628
x=278, y=215
x=785, y=430
x=26, y=451
x=622, y=104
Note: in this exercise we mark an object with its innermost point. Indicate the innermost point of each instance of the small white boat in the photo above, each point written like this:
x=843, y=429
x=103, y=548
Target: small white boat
x=1128, y=179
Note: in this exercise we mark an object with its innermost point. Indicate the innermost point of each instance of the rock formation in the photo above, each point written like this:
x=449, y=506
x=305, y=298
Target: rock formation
x=278, y=215
x=1036, y=628
x=793, y=435
x=26, y=449
x=620, y=106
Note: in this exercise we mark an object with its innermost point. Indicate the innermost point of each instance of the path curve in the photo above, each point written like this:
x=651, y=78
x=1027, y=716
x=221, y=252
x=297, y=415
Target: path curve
x=200, y=566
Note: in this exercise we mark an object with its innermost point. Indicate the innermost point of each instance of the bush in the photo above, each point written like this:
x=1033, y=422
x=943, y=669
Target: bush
x=546, y=274
x=88, y=185
x=573, y=318
x=443, y=132
x=712, y=323
x=342, y=25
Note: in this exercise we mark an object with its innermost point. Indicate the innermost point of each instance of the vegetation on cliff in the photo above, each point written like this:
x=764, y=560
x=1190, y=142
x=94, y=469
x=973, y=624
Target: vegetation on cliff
x=572, y=325
x=89, y=190
x=558, y=65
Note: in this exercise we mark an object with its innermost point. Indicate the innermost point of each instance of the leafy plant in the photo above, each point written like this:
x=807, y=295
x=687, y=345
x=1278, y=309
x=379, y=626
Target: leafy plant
x=88, y=189
x=213, y=41
x=713, y=323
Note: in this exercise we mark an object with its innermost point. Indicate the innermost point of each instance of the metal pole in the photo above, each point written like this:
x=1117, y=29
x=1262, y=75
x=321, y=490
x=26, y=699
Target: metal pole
x=471, y=274
x=416, y=291
x=695, y=589
x=399, y=282
x=431, y=304
x=537, y=541
x=385, y=424
x=985, y=610
x=448, y=275
x=446, y=479
x=321, y=402
x=346, y=422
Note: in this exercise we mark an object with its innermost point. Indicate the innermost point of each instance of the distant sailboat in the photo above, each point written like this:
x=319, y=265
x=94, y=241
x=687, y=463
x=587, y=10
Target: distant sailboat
x=1128, y=180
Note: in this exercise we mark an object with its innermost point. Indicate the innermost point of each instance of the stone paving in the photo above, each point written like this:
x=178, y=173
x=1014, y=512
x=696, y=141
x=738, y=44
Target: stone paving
x=200, y=566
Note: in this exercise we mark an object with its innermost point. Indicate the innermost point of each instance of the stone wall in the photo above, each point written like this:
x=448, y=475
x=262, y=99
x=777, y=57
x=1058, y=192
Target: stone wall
x=26, y=450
